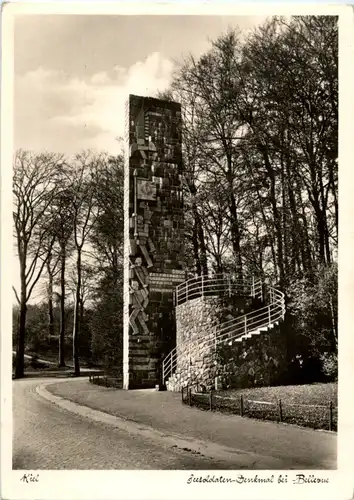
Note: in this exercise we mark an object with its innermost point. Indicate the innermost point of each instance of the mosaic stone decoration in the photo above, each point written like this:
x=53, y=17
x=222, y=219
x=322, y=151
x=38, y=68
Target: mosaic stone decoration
x=153, y=253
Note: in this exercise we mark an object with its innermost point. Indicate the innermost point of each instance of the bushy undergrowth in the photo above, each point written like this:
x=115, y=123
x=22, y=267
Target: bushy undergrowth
x=330, y=366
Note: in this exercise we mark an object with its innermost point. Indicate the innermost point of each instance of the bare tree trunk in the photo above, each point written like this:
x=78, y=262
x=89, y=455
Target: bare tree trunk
x=198, y=239
x=219, y=267
x=76, y=330
x=277, y=222
x=235, y=235
x=320, y=223
x=50, y=298
x=195, y=239
x=334, y=322
x=271, y=244
x=81, y=312
x=62, y=309
x=202, y=256
x=289, y=258
x=325, y=224
x=82, y=309
x=304, y=231
x=20, y=351
x=196, y=250
x=334, y=194
x=315, y=197
x=260, y=264
x=298, y=243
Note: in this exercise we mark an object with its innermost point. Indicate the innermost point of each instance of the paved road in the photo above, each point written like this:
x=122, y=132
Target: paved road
x=54, y=429
x=49, y=437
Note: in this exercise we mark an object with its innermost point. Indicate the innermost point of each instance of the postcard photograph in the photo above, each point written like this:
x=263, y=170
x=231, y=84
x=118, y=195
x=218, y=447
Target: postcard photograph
x=174, y=245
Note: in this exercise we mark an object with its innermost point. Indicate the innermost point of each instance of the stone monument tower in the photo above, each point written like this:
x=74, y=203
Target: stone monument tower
x=153, y=235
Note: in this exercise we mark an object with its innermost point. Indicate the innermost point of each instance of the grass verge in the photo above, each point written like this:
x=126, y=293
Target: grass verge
x=312, y=405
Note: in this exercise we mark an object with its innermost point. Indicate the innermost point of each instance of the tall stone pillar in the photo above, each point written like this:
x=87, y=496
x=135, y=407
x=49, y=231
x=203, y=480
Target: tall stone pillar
x=153, y=244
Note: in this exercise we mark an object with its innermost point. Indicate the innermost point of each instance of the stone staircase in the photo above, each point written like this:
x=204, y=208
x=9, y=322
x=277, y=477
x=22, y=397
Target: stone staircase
x=198, y=361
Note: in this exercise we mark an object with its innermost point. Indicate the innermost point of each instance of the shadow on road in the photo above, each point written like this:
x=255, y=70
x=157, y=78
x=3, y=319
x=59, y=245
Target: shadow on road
x=57, y=373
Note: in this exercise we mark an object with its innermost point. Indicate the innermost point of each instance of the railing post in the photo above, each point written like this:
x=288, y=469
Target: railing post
x=253, y=293
x=280, y=411
x=186, y=291
x=241, y=406
x=202, y=285
x=269, y=316
x=163, y=371
x=330, y=416
x=245, y=325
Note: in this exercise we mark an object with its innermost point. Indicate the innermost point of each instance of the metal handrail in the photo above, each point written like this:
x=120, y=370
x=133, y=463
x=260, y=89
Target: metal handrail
x=170, y=361
x=229, y=331
x=218, y=284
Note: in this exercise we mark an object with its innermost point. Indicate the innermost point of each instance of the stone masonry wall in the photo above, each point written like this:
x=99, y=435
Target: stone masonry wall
x=200, y=319
x=257, y=361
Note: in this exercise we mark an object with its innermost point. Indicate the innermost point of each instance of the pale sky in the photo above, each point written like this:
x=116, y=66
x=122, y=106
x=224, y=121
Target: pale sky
x=73, y=73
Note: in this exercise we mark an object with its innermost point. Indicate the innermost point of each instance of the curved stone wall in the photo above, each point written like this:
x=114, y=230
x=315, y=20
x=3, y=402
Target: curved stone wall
x=200, y=319
x=256, y=361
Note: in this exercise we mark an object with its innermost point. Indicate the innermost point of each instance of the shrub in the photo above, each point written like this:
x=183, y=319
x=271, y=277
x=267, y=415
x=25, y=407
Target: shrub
x=330, y=366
